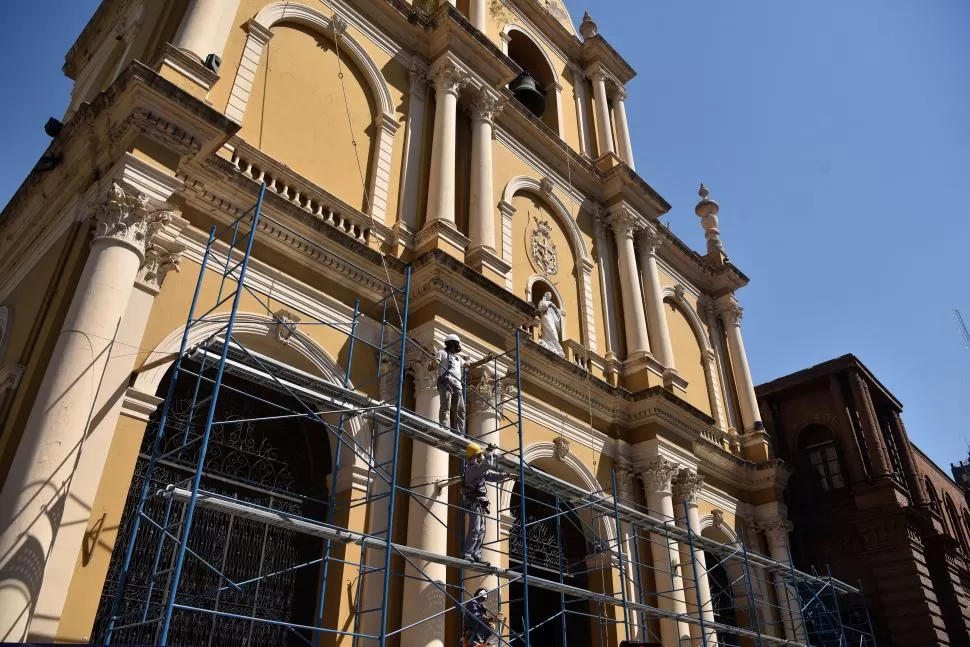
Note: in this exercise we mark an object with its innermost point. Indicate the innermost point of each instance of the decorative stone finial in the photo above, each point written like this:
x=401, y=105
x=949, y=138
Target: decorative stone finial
x=707, y=210
x=588, y=28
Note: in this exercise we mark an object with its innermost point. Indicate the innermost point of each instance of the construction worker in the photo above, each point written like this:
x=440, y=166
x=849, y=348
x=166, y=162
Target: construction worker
x=451, y=367
x=478, y=621
x=479, y=470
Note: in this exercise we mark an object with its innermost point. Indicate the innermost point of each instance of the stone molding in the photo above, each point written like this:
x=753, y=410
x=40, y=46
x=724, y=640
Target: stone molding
x=687, y=486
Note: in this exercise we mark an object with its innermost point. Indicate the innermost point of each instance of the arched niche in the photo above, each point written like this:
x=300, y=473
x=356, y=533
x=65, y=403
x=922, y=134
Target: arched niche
x=301, y=351
x=677, y=305
x=519, y=45
x=514, y=222
x=316, y=49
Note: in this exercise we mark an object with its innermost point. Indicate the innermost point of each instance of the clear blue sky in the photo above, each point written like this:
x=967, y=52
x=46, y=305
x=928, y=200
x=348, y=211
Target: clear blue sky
x=834, y=134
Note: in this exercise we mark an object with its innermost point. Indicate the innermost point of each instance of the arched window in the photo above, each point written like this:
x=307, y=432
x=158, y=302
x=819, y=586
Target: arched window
x=820, y=454
x=951, y=513
x=534, y=62
x=931, y=492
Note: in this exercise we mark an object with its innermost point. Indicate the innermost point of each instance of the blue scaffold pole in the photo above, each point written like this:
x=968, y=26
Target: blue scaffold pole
x=562, y=557
x=697, y=580
x=332, y=499
x=156, y=448
x=522, y=520
x=619, y=556
x=197, y=478
x=749, y=586
x=394, y=459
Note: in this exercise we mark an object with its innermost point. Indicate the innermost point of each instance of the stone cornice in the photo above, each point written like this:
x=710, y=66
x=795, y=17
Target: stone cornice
x=104, y=16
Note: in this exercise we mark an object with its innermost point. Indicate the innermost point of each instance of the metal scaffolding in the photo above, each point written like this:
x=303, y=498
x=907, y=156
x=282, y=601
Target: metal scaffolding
x=591, y=555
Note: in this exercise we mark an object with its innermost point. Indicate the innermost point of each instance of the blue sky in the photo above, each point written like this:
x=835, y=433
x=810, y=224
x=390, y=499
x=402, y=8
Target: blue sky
x=834, y=135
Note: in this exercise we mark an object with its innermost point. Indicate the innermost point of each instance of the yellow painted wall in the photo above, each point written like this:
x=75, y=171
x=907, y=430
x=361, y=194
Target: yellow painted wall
x=687, y=357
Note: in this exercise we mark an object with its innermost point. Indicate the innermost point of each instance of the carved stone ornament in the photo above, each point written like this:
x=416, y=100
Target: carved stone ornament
x=285, y=325
x=542, y=248
x=10, y=375
x=6, y=322
x=158, y=262
x=339, y=25
x=562, y=448
x=658, y=473
x=486, y=105
x=718, y=518
x=776, y=530
x=448, y=77
x=687, y=485
x=485, y=392
x=129, y=217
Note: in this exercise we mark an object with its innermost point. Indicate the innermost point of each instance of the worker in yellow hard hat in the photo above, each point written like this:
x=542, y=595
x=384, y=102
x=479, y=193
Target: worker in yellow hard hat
x=480, y=469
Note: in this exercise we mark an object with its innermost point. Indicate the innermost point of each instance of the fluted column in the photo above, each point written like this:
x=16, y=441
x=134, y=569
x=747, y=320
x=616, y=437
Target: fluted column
x=205, y=27
x=657, y=477
x=625, y=224
x=481, y=225
x=623, y=143
x=58, y=464
x=427, y=525
x=870, y=426
x=686, y=487
x=776, y=532
x=604, y=127
x=730, y=311
x=483, y=424
x=650, y=241
x=448, y=80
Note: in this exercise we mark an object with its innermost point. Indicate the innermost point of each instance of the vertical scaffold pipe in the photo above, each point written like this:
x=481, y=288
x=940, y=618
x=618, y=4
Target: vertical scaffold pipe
x=522, y=521
x=871, y=642
x=562, y=557
x=332, y=498
x=619, y=557
x=697, y=581
x=394, y=459
x=749, y=587
x=207, y=432
x=843, y=639
x=156, y=447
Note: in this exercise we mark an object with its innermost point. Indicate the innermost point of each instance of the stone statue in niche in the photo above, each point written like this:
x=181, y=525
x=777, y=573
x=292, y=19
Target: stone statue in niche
x=550, y=319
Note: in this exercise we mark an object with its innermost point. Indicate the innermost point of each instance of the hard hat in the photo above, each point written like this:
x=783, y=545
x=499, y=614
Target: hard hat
x=453, y=338
x=472, y=450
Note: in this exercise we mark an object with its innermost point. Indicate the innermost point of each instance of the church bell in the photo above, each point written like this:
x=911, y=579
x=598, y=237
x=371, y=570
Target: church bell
x=528, y=93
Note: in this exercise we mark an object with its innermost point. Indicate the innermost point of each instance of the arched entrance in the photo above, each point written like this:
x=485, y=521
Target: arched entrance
x=277, y=463
x=722, y=599
x=555, y=621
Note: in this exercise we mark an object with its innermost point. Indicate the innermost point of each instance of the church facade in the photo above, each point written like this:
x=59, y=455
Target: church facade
x=485, y=145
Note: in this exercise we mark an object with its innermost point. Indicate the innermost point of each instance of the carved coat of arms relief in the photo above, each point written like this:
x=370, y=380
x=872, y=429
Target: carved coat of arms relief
x=543, y=254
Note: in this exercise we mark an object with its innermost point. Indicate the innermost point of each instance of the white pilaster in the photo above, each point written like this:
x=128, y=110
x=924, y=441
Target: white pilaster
x=687, y=486
x=478, y=11
x=607, y=292
x=579, y=94
x=205, y=27
x=49, y=492
x=625, y=225
x=650, y=241
x=624, y=145
x=413, y=145
x=448, y=80
x=730, y=311
x=427, y=525
x=657, y=477
x=604, y=128
x=481, y=229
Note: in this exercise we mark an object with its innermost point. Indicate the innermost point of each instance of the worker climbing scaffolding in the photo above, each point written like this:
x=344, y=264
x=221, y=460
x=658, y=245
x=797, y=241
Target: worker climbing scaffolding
x=479, y=621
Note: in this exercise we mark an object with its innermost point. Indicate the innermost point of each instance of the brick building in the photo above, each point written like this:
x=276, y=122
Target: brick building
x=867, y=502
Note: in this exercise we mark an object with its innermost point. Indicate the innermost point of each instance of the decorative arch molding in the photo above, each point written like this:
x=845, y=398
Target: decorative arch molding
x=335, y=28
x=542, y=189
x=676, y=296
x=544, y=449
x=717, y=522
x=162, y=357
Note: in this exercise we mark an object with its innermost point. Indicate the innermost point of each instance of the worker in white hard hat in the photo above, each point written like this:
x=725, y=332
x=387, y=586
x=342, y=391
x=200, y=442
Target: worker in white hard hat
x=451, y=367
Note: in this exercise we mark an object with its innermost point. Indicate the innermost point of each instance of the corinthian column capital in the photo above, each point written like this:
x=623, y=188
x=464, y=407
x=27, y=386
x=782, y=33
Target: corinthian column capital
x=625, y=223
x=486, y=105
x=776, y=530
x=447, y=76
x=128, y=217
x=657, y=474
x=158, y=262
x=687, y=485
x=650, y=238
x=730, y=308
